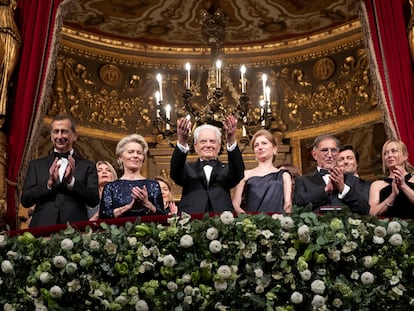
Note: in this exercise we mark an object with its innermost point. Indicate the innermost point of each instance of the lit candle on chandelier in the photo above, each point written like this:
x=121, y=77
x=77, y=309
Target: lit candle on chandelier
x=269, y=109
x=157, y=103
x=188, y=68
x=167, y=117
x=218, y=74
x=243, y=78
x=244, y=131
x=159, y=79
x=262, y=114
x=264, y=79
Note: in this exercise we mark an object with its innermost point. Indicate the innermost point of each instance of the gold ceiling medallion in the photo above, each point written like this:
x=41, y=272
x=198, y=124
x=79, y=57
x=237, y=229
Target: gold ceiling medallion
x=324, y=69
x=110, y=75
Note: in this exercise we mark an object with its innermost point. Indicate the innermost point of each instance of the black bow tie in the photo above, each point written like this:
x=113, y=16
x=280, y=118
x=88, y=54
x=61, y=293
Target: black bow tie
x=61, y=155
x=208, y=162
x=323, y=172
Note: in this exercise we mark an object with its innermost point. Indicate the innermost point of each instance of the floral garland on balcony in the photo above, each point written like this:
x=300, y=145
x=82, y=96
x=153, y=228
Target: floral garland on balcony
x=260, y=262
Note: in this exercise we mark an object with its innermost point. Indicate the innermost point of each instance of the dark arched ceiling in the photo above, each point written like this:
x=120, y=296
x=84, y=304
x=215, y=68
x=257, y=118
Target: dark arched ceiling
x=178, y=23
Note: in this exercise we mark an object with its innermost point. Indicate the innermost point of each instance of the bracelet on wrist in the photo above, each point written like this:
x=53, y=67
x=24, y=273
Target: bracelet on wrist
x=389, y=204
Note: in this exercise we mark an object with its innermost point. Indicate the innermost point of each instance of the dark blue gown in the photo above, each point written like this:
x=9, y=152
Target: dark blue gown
x=402, y=207
x=265, y=193
x=118, y=193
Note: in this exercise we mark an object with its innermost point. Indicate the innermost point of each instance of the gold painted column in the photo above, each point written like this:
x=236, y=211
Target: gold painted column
x=10, y=42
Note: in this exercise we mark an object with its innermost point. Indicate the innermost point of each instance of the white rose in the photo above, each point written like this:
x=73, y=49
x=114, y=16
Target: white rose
x=12, y=255
x=296, y=298
x=377, y=240
x=393, y=227
x=212, y=233
x=220, y=286
x=141, y=305
x=122, y=300
x=396, y=239
x=367, y=278
x=59, y=261
x=267, y=234
x=287, y=223
x=188, y=300
x=206, y=264
x=74, y=285
x=172, y=286
x=94, y=245
x=368, y=262
x=66, y=244
x=188, y=290
x=318, y=287
x=7, y=266
x=335, y=255
x=269, y=257
x=305, y=275
x=186, y=278
x=224, y=271
x=33, y=291
x=9, y=307
x=337, y=303
x=318, y=301
x=132, y=241
x=71, y=268
x=380, y=231
x=258, y=272
x=259, y=289
x=186, y=241
x=55, y=292
x=355, y=233
x=45, y=277
x=227, y=217
x=169, y=261
x=3, y=240
x=303, y=230
x=355, y=275
x=215, y=246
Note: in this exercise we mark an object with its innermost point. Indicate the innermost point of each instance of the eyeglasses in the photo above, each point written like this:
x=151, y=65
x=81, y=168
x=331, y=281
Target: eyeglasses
x=326, y=150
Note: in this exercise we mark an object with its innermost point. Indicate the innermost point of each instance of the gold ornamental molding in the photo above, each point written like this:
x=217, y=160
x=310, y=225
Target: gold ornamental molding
x=100, y=134
x=283, y=52
x=334, y=128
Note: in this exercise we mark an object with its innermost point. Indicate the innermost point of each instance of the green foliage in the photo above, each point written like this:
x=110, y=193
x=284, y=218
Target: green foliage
x=260, y=262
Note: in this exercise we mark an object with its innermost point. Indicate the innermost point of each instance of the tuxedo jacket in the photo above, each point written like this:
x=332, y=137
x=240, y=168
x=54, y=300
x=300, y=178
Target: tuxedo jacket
x=310, y=189
x=59, y=205
x=198, y=196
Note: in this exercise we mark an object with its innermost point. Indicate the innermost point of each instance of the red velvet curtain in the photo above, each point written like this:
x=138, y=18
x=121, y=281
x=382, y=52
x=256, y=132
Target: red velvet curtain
x=36, y=22
x=387, y=21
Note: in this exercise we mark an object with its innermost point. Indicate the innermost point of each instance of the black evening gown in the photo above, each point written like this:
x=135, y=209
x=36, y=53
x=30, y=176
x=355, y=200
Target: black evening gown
x=402, y=207
x=118, y=193
x=265, y=193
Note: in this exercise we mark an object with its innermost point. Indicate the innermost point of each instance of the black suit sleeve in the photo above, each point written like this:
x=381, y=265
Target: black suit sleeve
x=309, y=189
x=177, y=172
x=35, y=184
x=236, y=166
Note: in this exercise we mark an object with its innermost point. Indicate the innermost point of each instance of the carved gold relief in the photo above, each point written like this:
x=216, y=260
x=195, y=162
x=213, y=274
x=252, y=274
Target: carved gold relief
x=110, y=75
x=77, y=92
x=324, y=69
x=311, y=103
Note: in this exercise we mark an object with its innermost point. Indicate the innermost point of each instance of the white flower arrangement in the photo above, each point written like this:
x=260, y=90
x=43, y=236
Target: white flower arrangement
x=298, y=262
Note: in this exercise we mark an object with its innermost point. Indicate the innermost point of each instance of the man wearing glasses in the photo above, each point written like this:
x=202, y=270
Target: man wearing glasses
x=328, y=187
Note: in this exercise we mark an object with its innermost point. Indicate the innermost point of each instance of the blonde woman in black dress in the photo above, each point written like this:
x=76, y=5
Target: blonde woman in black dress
x=393, y=196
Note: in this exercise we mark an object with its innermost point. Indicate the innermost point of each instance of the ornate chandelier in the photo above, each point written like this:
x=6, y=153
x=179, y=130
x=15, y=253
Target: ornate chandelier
x=250, y=116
